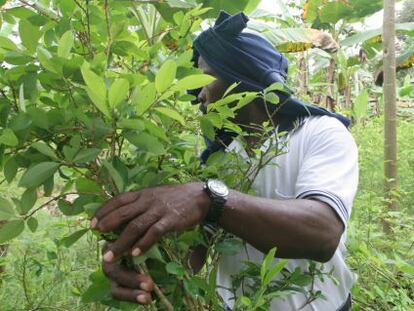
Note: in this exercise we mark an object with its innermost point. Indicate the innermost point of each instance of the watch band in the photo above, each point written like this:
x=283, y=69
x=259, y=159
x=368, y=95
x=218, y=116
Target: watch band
x=218, y=200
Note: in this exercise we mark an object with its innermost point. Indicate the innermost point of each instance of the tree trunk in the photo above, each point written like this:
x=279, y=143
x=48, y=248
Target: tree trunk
x=303, y=74
x=347, y=93
x=390, y=108
x=330, y=79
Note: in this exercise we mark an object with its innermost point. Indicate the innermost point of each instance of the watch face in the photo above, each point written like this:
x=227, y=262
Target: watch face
x=218, y=187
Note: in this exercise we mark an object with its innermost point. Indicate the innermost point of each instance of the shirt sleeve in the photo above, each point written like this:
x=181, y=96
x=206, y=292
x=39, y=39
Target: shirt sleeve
x=329, y=170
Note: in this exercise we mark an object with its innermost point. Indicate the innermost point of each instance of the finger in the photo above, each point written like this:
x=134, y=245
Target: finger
x=117, y=217
x=153, y=234
x=106, y=247
x=132, y=232
x=127, y=278
x=114, y=203
x=128, y=294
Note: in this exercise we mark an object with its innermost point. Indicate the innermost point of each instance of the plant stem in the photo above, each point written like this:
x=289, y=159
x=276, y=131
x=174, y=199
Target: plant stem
x=47, y=203
x=164, y=300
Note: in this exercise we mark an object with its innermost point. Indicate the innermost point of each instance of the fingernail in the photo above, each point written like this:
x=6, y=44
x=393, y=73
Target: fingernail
x=94, y=222
x=142, y=298
x=109, y=256
x=145, y=286
x=136, y=252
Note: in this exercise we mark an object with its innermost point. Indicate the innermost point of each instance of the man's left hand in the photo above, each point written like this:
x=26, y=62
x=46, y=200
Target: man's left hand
x=149, y=214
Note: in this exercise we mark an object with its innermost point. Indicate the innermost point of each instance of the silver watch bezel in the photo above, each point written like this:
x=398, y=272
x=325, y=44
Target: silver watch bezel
x=218, y=188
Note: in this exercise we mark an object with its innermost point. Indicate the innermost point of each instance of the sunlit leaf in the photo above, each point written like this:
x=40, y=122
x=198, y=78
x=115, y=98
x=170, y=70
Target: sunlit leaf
x=165, y=76
x=171, y=114
x=144, y=98
x=118, y=92
x=193, y=82
x=65, y=44
x=96, y=88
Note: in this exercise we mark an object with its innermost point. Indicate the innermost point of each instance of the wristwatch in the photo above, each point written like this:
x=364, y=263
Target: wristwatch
x=218, y=193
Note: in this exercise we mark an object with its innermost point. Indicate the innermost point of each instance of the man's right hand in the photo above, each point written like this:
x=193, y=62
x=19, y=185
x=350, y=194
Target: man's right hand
x=127, y=284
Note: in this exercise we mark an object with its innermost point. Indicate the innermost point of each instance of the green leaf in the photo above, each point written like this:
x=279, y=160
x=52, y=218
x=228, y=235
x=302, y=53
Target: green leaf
x=232, y=7
x=69, y=152
x=7, y=44
x=44, y=149
x=10, y=230
x=207, y=128
x=28, y=200
x=274, y=271
x=96, y=88
x=362, y=36
x=144, y=98
x=84, y=185
x=29, y=35
x=38, y=174
x=266, y=262
x=229, y=247
x=153, y=253
x=92, y=208
x=69, y=209
x=116, y=176
x=65, y=44
x=48, y=186
x=361, y=105
x=8, y=138
x=118, y=91
x=245, y=301
x=171, y=114
x=165, y=75
x=68, y=241
x=180, y=4
x=99, y=290
x=272, y=98
x=175, y=268
x=45, y=59
x=146, y=142
x=6, y=209
x=32, y=223
x=193, y=82
x=86, y=155
x=10, y=169
x=133, y=124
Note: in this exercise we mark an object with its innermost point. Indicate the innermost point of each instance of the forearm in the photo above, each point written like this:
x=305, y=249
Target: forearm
x=298, y=228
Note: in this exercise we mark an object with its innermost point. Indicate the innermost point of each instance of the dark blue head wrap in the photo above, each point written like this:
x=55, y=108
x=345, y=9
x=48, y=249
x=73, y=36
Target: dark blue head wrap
x=252, y=61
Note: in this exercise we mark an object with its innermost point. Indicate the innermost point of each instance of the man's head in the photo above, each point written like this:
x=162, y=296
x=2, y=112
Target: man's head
x=213, y=91
x=231, y=55
x=240, y=56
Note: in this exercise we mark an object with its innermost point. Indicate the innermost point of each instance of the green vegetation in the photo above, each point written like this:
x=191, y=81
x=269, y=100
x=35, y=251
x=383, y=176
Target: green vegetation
x=93, y=102
x=42, y=273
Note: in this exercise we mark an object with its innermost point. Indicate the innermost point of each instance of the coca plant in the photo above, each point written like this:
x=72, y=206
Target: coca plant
x=93, y=103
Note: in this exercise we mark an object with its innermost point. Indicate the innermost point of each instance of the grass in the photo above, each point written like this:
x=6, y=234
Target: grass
x=383, y=261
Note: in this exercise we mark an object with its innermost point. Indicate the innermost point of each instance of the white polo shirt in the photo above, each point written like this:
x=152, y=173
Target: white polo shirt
x=321, y=163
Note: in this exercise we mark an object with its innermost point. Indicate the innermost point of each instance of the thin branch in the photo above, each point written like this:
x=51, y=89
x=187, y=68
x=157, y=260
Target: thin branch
x=47, y=203
x=108, y=30
x=164, y=300
x=41, y=10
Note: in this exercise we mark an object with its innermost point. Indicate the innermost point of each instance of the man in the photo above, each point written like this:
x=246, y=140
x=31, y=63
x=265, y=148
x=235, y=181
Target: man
x=303, y=202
